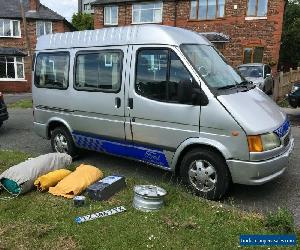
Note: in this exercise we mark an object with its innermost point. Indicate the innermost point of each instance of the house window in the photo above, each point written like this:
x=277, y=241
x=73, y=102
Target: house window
x=87, y=7
x=10, y=28
x=257, y=8
x=11, y=67
x=43, y=28
x=253, y=54
x=147, y=12
x=207, y=9
x=111, y=15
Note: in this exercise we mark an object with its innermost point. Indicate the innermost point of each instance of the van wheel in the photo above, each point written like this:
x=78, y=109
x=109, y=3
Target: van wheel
x=205, y=173
x=62, y=142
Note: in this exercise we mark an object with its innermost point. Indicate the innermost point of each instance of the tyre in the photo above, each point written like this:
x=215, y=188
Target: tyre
x=62, y=142
x=205, y=172
x=1, y=123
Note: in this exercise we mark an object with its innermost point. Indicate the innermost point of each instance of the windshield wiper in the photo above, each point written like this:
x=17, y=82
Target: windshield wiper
x=228, y=87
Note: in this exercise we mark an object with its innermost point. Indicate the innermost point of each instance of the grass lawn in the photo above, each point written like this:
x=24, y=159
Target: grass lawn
x=40, y=221
x=23, y=104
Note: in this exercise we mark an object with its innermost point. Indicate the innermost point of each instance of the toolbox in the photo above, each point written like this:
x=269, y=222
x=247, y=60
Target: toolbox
x=106, y=188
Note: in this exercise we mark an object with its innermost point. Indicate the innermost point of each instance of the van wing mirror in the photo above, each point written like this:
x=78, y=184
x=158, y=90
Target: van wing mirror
x=188, y=94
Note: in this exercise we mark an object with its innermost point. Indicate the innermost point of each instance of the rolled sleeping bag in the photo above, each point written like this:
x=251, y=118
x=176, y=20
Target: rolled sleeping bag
x=76, y=182
x=19, y=179
x=43, y=183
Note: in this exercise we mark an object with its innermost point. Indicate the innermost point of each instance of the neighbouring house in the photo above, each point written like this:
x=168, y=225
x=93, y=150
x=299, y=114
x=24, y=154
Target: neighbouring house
x=15, y=64
x=244, y=31
x=85, y=6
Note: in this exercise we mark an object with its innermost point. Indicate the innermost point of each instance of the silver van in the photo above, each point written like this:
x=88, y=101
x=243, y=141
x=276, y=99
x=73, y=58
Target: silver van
x=163, y=96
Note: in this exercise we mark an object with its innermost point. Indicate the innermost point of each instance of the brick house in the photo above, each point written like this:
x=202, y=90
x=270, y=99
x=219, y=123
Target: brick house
x=244, y=30
x=15, y=74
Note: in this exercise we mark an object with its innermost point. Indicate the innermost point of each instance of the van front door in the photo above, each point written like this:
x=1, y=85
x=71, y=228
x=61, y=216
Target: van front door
x=157, y=119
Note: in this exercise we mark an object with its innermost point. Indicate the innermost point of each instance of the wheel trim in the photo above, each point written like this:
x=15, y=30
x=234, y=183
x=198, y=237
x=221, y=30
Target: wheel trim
x=60, y=143
x=202, y=175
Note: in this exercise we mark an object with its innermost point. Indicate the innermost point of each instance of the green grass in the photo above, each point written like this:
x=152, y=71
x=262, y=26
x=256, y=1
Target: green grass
x=40, y=221
x=22, y=104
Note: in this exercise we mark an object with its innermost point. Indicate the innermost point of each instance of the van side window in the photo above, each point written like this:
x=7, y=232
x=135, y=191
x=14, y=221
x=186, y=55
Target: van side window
x=52, y=70
x=159, y=75
x=99, y=71
x=151, y=73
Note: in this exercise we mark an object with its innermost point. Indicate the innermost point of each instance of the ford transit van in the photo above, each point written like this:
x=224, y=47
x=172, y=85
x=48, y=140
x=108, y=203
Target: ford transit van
x=163, y=96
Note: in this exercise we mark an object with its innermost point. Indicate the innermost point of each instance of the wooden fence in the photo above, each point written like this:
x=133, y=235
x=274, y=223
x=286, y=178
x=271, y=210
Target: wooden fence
x=284, y=83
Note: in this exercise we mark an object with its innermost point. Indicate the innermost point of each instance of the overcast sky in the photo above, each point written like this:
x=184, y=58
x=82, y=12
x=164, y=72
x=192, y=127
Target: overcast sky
x=65, y=8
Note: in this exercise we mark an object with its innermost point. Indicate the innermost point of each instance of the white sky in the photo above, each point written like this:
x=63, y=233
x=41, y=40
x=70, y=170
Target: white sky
x=65, y=8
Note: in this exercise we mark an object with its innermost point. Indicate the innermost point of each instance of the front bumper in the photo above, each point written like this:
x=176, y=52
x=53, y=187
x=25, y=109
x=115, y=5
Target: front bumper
x=257, y=173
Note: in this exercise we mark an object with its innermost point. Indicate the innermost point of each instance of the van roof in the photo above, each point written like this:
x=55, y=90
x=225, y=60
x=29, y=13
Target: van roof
x=134, y=34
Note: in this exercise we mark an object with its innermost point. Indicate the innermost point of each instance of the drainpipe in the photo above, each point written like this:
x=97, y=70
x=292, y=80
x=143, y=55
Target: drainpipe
x=175, y=13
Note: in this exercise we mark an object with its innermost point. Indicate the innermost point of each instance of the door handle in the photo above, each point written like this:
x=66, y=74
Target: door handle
x=130, y=103
x=117, y=102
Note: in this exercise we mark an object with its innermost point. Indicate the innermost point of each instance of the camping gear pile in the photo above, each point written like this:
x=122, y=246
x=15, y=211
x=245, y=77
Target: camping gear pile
x=48, y=173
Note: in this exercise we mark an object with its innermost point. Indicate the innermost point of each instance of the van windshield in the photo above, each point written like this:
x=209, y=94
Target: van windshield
x=211, y=66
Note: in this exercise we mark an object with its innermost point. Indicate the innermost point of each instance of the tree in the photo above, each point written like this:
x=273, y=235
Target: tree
x=83, y=21
x=290, y=47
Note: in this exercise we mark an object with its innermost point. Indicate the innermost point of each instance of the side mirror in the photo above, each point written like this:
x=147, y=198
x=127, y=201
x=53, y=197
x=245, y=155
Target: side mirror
x=188, y=94
x=268, y=75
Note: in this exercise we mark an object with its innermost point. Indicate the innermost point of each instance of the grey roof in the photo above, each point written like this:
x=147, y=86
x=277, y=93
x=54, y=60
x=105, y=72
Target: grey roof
x=11, y=52
x=11, y=9
x=216, y=37
x=133, y=34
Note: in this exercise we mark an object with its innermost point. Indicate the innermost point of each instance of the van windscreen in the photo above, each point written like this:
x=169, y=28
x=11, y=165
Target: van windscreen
x=211, y=66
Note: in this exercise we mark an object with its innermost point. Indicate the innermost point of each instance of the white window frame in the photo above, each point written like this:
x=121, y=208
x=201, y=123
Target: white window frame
x=12, y=28
x=139, y=11
x=110, y=21
x=16, y=68
x=44, y=23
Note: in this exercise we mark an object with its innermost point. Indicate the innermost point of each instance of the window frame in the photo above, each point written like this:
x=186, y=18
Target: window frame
x=168, y=73
x=15, y=68
x=53, y=53
x=141, y=3
x=256, y=10
x=84, y=52
x=44, y=24
x=111, y=24
x=206, y=19
x=252, y=47
x=11, y=26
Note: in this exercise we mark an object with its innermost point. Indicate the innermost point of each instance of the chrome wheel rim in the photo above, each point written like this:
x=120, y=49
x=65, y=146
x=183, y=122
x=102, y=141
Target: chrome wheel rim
x=202, y=176
x=60, y=143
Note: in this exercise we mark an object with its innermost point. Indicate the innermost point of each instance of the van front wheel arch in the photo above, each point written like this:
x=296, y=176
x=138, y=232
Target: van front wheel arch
x=206, y=173
x=62, y=141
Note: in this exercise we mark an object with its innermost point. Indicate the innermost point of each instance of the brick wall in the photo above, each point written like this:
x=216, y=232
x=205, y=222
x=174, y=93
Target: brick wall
x=25, y=85
x=266, y=33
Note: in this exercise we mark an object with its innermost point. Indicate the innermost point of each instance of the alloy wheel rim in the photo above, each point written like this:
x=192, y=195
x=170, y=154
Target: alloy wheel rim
x=60, y=143
x=202, y=175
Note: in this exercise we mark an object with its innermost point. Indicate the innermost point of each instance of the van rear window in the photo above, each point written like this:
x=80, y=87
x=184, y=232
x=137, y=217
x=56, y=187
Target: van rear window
x=99, y=71
x=52, y=70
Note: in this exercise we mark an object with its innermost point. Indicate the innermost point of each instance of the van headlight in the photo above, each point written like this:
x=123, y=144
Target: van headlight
x=265, y=142
x=295, y=88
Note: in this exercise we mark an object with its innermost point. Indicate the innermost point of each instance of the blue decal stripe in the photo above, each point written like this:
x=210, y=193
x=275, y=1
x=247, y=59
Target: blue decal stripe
x=125, y=149
x=283, y=129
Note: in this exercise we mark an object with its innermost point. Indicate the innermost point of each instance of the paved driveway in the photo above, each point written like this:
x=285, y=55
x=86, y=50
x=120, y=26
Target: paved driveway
x=17, y=134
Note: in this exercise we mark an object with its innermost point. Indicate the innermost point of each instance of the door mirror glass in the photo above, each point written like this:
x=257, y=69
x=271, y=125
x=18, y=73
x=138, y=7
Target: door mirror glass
x=268, y=75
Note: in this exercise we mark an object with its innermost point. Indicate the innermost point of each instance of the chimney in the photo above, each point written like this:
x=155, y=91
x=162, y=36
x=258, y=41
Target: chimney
x=34, y=5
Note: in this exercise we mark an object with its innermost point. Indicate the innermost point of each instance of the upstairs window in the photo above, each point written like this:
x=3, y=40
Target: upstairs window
x=257, y=8
x=87, y=7
x=147, y=12
x=253, y=54
x=10, y=28
x=207, y=9
x=111, y=15
x=11, y=67
x=43, y=28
